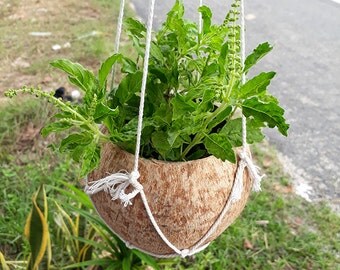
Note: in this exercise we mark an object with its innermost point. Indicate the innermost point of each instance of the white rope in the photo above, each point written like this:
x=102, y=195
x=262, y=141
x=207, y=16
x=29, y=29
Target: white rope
x=144, y=81
x=246, y=161
x=200, y=20
x=159, y=231
x=118, y=38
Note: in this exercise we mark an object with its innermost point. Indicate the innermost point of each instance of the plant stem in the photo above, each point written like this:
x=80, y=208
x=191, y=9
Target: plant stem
x=64, y=107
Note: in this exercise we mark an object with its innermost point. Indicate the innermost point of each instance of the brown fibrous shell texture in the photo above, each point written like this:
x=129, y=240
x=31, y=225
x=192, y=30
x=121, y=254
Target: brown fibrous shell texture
x=185, y=198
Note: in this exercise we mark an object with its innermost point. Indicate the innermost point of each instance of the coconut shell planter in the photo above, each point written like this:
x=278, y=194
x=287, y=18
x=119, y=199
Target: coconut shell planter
x=187, y=111
x=186, y=198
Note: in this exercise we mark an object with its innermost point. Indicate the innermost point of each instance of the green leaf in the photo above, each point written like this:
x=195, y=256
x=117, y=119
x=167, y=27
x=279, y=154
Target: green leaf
x=146, y=259
x=159, y=74
x=254, y=131
x=206, y=17
x=163, y=115
x=106, y=68
x=182, y=107
x=77, y=152
x=78, y=75
x=126, y=263
x=174, y=138
x=222, y=59
x=160, y=143
x=233, y=131
x=135, y=27
x=129, y=66
x=208, y=97
x=219, y=146
x=74, y=193
x=55, y=127
x=129, y=86
x=156, y=52
x=222, y=116
x=256, y=56
x=136, y=31
x=103, y=111
x=210, y=70
x=36, y=229
x=74, y=140
x=91, y=159
x=197, y=154
x=256, y=85
x=266, y=112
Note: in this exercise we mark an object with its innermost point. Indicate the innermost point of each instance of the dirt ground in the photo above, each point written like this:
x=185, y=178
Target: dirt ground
x=34, y=32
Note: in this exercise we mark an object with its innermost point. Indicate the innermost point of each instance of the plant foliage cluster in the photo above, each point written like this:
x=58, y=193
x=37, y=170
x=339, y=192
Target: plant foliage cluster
x=193, y=97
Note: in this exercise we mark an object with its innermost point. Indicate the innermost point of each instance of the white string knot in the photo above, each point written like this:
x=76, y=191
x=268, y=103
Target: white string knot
x=137, y=188
x=185, y=253
x=133, y=180
x=116, y=185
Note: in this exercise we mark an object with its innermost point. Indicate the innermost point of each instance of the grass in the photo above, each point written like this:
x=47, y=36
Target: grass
x=88, y=26
x=25, y=164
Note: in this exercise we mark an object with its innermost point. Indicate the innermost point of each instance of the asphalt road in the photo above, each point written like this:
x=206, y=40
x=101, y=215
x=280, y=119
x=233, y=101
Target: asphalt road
x=306, y=36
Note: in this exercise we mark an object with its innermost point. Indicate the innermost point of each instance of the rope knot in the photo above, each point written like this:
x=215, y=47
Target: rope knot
x=243, y=155
x=116, y=185
x=185, y=253
x=137, y=188
x=133, y=180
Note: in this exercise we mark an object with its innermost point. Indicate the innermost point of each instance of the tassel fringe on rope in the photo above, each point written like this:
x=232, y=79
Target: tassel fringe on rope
x=116, y=185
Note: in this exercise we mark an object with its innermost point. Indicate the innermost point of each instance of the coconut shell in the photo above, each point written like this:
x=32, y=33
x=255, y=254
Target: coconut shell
x=185, y=198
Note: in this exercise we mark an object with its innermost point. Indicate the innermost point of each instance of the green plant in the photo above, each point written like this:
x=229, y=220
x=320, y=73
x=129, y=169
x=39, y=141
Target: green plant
x=108, y=251
x=3, y=262
x=81, y=238
x=37, y=233
x=193, y=78
x=71, y=228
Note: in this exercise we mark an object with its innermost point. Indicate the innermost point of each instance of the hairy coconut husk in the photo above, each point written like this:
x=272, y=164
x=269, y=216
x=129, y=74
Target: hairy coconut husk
x=185, y=198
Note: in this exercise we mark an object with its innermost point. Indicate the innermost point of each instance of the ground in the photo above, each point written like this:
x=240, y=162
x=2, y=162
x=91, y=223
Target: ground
x=30, y=29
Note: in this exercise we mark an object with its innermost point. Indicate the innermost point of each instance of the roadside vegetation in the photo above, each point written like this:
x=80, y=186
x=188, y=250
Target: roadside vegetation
x=277, y=230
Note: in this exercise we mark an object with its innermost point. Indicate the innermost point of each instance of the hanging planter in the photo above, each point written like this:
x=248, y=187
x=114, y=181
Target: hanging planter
x=188, y=115
x=186, y=198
